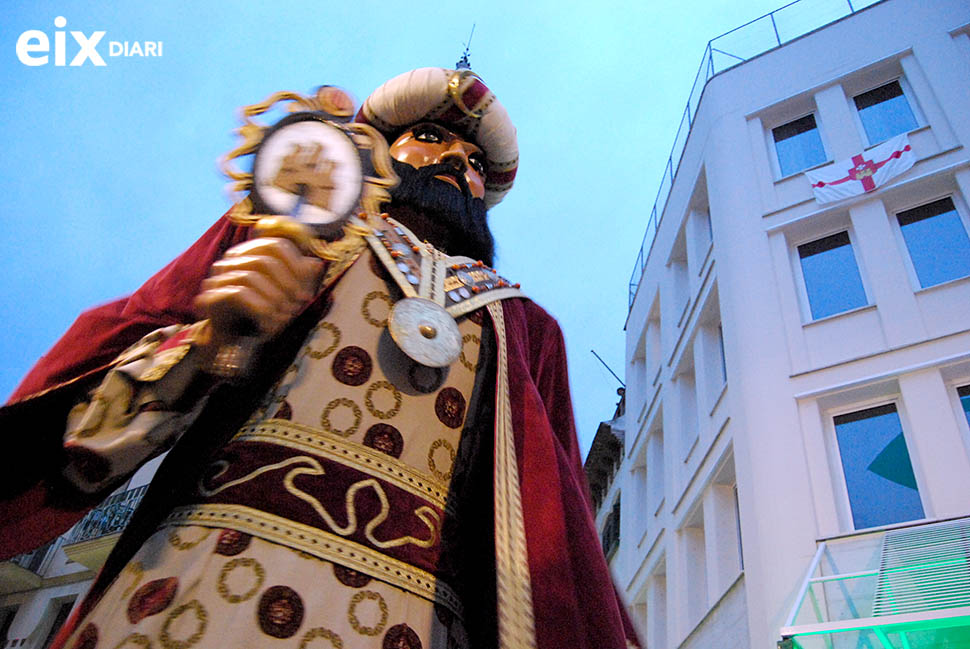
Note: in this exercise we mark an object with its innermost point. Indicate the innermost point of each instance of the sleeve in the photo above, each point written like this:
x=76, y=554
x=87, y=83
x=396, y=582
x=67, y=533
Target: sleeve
x=36, y=502
x=152, y=394
x=99, y=334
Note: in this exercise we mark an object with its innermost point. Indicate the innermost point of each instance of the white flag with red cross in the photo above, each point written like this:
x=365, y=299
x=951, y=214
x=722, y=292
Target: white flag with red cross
x=863, y=172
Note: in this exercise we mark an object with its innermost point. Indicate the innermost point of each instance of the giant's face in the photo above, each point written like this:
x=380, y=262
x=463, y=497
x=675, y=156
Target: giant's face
x=430, y=144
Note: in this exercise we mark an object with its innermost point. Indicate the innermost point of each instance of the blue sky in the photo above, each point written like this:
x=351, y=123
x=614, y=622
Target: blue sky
x=109, y=172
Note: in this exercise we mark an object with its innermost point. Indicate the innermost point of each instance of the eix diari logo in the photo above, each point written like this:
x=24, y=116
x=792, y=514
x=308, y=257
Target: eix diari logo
x=33, y=47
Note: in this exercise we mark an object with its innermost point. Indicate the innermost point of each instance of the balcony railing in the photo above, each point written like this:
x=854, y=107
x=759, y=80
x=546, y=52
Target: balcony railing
x=907, y=587
x=33, y=560
x=726, y=51
x=107, y=518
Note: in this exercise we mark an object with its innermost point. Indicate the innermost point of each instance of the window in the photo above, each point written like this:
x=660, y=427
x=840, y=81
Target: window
x=610, y=537
x=655, y=471
x=799, y=145
x=7, y=615
x=879, y=476
x=737, y=518
x=937, y=241
x=687, y=397
x=884, y=112
x=964, y=393
x=722, y=364
x=832, y=280
x=657, y=602
x=695, y=560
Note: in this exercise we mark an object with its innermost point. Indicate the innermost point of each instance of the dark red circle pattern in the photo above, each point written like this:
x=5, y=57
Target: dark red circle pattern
x=280, y=612
x=88, y=638
x=350, y=577
x=352, y=365
x=232, y=542
x=152, y=598
x=385, y=438
x=401, y=636
x=450, y=407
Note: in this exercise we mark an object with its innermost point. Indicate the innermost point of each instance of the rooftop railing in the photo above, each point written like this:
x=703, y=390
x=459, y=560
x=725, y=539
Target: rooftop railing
x=726, y=51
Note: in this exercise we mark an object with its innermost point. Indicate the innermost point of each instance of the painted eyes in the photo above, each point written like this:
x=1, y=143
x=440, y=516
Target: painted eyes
x=434, y=134
x=477, y=162
x=428, y=133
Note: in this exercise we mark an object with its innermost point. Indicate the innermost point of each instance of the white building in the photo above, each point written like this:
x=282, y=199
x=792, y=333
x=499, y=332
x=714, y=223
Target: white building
x=798, y=373
x=39, y=589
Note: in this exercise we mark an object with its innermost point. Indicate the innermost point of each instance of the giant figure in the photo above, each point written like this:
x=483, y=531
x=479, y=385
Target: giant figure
x=343, y=494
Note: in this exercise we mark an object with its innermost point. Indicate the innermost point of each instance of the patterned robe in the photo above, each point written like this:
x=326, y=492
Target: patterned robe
x=548, y=585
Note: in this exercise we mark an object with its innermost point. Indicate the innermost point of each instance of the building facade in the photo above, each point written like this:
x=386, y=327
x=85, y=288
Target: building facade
x=39, y=589
x=793, y=462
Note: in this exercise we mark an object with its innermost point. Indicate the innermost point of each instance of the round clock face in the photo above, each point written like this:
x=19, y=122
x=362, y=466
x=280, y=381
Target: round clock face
x=309, y=170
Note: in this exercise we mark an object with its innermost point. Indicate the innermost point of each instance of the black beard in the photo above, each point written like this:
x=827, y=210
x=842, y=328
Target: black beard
x=460, y=220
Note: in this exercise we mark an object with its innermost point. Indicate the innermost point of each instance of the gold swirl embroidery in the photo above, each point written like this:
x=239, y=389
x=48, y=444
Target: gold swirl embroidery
x=201, y=618
x=464, y=359
x=335, y=334
x=443, y=476
x=369, y=400
x=137, y=570
x=223, y=589
x=365, y=308
x=136, y=639
x=352, y=612
x=164, y=361
x=425, y=514
x=176, y=541
x=321, y=632
x=343, y=432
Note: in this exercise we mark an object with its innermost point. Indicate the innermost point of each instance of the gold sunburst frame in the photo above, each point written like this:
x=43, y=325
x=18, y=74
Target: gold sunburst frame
x=338, y=106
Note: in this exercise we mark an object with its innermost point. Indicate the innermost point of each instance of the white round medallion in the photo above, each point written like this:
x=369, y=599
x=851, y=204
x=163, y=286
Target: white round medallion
x=425, y=332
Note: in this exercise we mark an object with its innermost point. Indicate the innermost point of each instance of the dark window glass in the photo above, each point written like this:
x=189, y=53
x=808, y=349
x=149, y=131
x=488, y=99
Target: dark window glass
x=799, y=145
x=6, y=619
x=832, y=278
x=884, y=112
x=611, y=531
x=964, y=394
x=878, y=473
x=937, y=242
x=720, y=350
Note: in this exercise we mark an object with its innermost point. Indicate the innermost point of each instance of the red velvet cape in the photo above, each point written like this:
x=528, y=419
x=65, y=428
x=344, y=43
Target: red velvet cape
x=574, y=601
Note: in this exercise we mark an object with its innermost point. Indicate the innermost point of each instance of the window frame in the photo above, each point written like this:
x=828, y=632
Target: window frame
x=908, y=95
x=773, y=145
x=963, y=422
x=837, y=468
x=962, y=214
x=796, y=261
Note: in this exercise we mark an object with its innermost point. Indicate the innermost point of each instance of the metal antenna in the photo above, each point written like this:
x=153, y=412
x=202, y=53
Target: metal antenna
x=463, y=63
x=607, y=367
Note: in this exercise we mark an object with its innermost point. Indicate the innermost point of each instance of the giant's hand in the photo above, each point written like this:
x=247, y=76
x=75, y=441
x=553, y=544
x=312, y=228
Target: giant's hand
x=259, y=285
